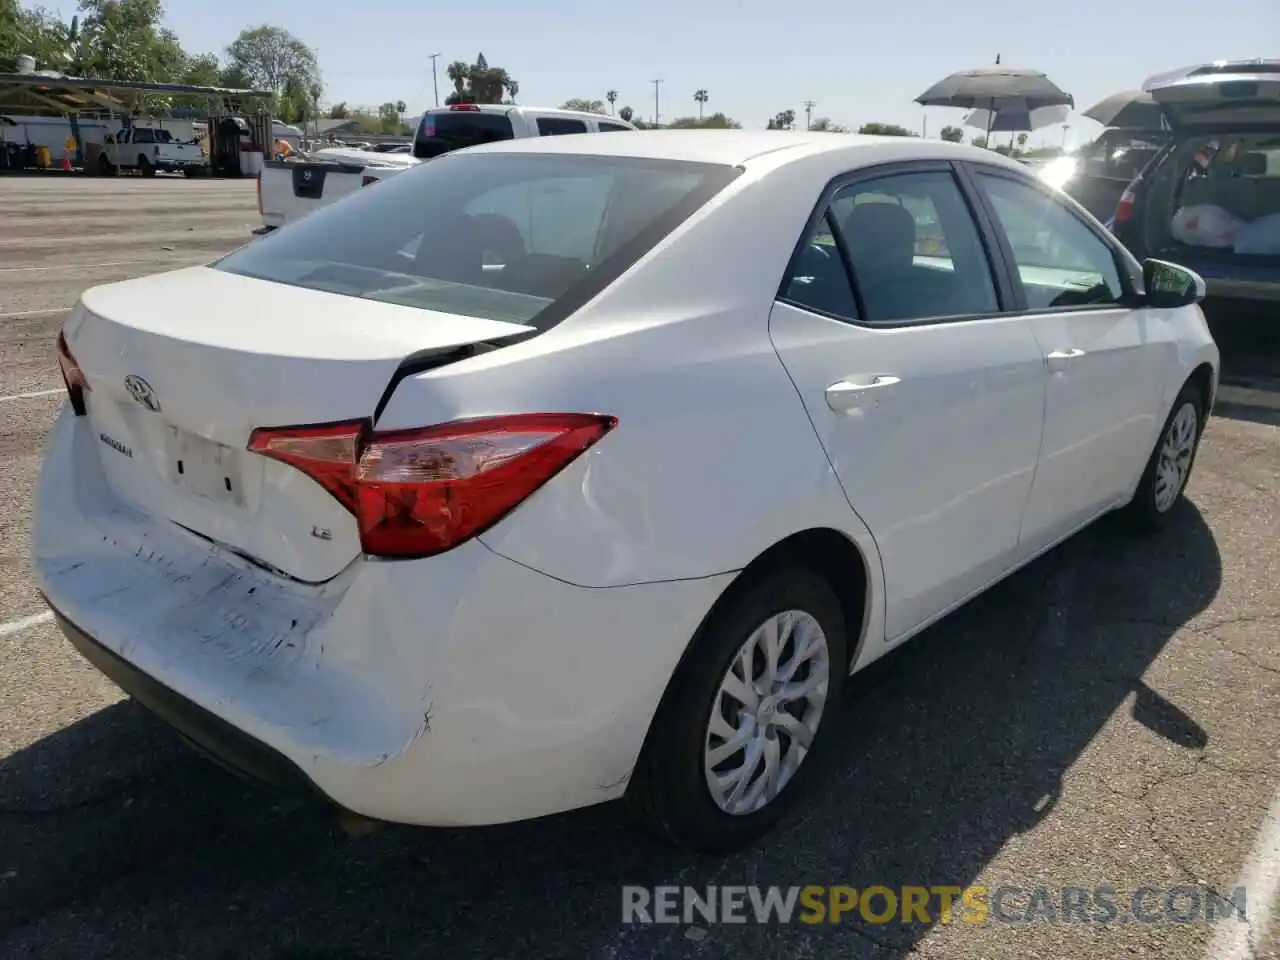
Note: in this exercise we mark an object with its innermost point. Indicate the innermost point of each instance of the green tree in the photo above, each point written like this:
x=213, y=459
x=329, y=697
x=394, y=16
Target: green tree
x=389, y=116
x=339, y=111
x=584, y=106
x=612, y=97
x=480, y=83
x=201, y=70
x=717, y=121
x=952, y=134
x=1022, y=142
x=36, y=33
x=785, y=120
x=885, y=130
x=700, y=97
x=269, y=58
x=824, y=125
x=979, y=141
x=626, y=113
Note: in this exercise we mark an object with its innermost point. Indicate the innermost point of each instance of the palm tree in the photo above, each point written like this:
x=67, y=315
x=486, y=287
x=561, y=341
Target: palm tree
x=701, y=97
x=612, y=97
x=458, y=74
x=513, y=87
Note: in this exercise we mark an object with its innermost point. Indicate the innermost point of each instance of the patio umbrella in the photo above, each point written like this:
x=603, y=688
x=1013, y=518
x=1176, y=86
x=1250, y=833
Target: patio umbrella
x=1130, y=109
x=995, y=89
x=1015, y=120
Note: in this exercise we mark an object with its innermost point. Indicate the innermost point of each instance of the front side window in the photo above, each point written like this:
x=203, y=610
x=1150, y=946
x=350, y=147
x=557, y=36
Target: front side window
x=498, y=236
x=556, y=126
x=1060, y=261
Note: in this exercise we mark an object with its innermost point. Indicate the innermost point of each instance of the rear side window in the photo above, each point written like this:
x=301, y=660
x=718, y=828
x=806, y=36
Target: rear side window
x=440, y=133
x=553, y=126
x=498, y=236
x=611, y=127
x=144, y=135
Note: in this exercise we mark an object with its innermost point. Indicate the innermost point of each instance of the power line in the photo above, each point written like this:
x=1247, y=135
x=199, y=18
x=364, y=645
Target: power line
x=657, y=113
x=808, y=114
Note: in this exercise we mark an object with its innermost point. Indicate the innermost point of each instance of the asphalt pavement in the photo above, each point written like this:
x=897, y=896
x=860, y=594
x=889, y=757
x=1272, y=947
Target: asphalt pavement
x=1108, y=717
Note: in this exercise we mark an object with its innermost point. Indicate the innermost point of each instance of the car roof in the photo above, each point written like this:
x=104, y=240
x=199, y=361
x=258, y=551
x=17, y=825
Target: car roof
x=743, y=147
x=506, y=108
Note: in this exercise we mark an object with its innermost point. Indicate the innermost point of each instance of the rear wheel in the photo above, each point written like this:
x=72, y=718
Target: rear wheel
x=731, y=747
x=1165, y=478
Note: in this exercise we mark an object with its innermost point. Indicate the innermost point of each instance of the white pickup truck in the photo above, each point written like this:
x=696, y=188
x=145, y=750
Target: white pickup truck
x=148, y=150
x=290, y=189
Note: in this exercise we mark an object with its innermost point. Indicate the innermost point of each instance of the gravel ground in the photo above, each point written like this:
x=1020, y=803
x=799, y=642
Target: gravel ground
x=1109, y=716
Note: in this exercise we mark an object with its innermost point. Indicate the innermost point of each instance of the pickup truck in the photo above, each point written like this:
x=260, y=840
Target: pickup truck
x=290, y=189
x=147, y=150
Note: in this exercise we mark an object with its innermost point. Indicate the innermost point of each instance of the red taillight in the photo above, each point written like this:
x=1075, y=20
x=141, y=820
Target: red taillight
x=468, y=107
x=415, y=493
x=1124, y=209
x=366, y=180
x=72, y=376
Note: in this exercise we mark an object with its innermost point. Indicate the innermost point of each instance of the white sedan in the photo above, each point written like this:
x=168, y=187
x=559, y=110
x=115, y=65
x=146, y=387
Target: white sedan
x=570, y=469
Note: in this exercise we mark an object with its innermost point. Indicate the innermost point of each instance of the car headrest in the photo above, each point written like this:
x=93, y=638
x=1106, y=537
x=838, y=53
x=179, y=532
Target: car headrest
x=881, y=237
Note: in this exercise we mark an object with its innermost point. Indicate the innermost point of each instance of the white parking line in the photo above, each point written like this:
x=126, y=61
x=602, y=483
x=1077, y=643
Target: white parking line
x=34, y=313
x=28, y=396
x=1260, y=878
x=76, y=266
x=26, y=623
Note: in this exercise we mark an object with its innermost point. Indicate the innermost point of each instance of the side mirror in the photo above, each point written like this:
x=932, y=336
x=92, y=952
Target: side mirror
x=1168, y=285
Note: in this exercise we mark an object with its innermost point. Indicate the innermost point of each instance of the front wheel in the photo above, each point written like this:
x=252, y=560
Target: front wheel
x=145, y=167
x=731, y=746
x=1167, y=472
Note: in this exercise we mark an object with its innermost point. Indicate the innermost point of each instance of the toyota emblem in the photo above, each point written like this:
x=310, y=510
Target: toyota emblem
x=141, y=391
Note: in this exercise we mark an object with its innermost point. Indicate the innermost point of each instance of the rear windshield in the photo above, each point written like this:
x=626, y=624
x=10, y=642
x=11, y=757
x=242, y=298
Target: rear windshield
x=440, y=133
x=499, y=236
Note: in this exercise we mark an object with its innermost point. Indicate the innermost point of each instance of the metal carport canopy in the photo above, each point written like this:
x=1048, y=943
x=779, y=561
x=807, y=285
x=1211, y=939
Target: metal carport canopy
x=39, y=94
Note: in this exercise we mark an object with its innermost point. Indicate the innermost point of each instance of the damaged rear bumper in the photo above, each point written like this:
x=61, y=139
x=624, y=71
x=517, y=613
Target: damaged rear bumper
x=212, y=736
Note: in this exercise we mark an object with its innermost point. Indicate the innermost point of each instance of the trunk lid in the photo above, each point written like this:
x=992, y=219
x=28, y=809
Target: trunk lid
x=183, y=366
x=1231, y=92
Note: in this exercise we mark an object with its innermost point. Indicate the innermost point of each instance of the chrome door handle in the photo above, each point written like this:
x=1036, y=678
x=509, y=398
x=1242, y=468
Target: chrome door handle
x=1059, y=359
x=847, y=395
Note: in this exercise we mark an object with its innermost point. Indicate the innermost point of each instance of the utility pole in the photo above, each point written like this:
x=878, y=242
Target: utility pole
x=808, y=114
x=657, y=113
x=435, y=78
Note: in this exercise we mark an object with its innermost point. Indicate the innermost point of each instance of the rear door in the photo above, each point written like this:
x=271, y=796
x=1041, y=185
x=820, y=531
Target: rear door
x=1106, y=362
x=927, y=398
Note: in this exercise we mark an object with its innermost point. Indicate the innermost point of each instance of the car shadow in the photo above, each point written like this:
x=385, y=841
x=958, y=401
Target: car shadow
x=114, y=840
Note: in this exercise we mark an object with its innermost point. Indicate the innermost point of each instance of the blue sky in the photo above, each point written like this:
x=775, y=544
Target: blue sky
x=859, y=61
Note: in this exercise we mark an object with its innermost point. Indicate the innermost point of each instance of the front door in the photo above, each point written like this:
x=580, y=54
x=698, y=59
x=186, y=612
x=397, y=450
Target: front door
x=1105, y=360
x=927, y=399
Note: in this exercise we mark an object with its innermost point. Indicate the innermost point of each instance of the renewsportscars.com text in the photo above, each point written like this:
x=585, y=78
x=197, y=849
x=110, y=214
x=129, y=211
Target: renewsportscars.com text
x=935, y=904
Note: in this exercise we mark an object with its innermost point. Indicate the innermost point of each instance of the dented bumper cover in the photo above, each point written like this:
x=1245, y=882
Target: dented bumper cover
x=463, y=689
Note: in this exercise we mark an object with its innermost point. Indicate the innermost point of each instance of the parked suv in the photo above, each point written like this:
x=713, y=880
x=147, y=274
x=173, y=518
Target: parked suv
x=1211, y=198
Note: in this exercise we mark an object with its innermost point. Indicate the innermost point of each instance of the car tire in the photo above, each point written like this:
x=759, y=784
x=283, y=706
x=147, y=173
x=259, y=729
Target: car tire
x=145, y=167
x=669, y=791
x=1169, y=468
